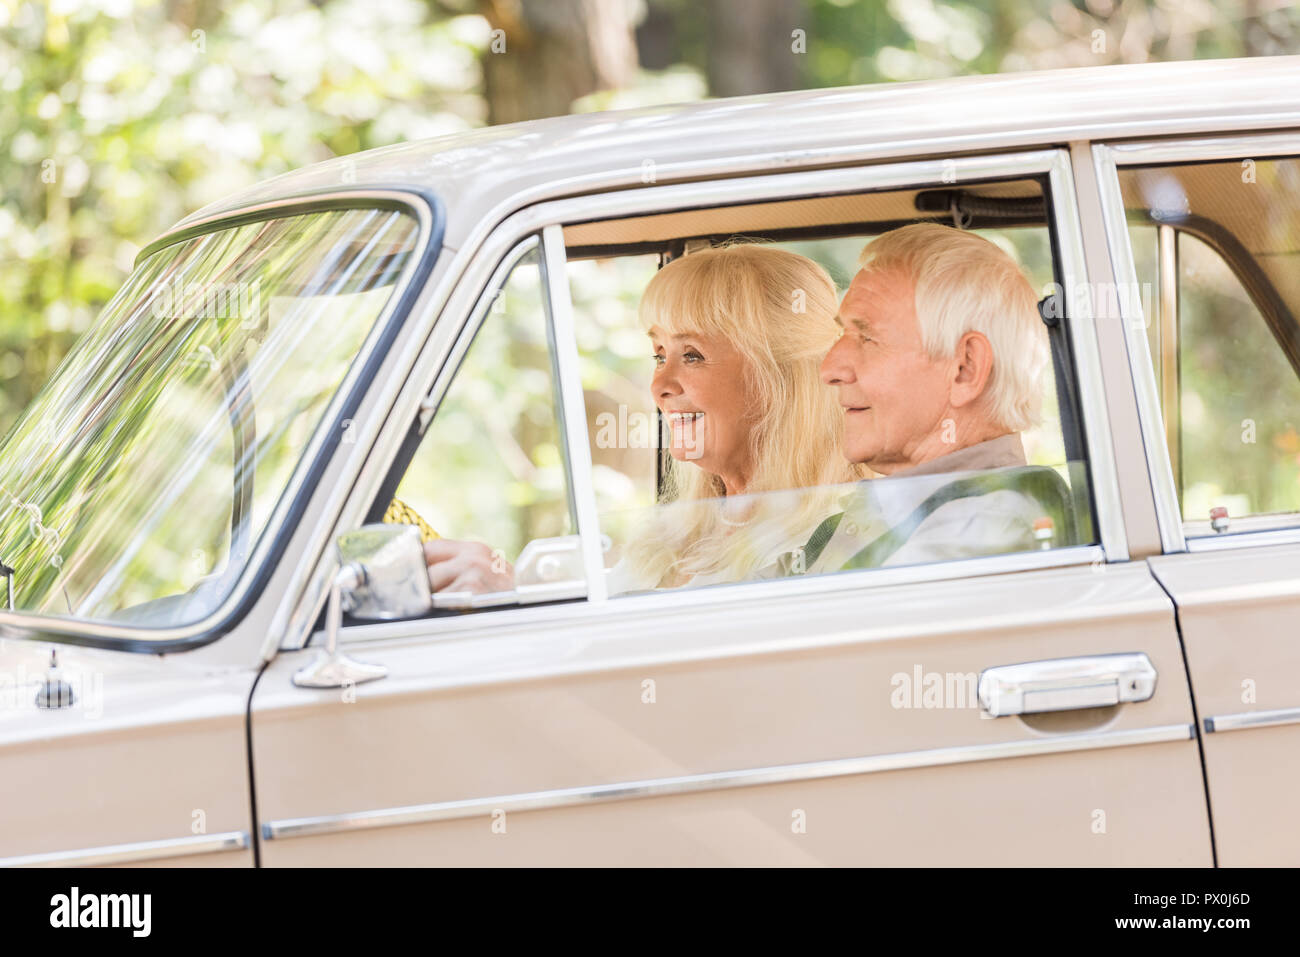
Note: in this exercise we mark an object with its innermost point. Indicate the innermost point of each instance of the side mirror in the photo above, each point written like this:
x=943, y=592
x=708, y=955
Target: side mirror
x=382, y=576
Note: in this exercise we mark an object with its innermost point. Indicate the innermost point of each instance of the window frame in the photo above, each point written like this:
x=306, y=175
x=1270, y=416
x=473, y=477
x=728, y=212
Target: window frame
x=549, y=218
x=1108, y=159
x=576, y=455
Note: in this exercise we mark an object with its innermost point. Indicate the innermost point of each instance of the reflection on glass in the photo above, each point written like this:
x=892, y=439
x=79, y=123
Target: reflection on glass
x=623, y=424
x=490, y=466
x=1240, y=397
x=136, y=484
x=907, y=520
x=1233, y=396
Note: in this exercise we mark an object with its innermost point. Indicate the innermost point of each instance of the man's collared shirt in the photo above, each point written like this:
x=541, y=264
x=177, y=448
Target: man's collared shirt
x=1006, y=451
x=993, y=523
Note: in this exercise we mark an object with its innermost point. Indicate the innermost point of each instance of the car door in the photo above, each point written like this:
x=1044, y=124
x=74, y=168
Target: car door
x=827, y=719
x=1211, y=239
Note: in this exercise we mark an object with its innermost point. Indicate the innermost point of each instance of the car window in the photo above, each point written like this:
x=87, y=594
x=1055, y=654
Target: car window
x=138, y=482
x=1020, y=492
x=490, y=467
x=1217, y=248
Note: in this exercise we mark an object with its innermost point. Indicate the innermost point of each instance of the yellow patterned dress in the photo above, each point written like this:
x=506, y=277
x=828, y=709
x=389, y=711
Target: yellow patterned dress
x=399, y=513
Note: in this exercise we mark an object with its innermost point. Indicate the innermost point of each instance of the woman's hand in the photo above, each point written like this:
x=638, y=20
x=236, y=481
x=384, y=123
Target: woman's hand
x=467, y=566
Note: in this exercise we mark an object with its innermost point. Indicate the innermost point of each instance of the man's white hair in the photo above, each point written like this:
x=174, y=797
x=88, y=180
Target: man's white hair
x=965, y=283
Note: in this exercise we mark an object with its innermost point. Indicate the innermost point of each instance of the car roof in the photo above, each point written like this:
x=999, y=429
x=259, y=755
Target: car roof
x=481, y=175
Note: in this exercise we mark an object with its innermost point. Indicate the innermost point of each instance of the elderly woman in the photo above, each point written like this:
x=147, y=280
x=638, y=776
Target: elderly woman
x=738, y=334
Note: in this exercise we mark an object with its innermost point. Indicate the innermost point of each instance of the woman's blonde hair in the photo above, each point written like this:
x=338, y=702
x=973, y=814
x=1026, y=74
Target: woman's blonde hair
x=778, y=310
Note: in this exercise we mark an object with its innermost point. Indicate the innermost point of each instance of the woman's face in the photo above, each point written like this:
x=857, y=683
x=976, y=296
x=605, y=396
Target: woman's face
x=699, y=386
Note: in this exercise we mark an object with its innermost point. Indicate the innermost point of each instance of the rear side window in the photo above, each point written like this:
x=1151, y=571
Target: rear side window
x=1217, y=250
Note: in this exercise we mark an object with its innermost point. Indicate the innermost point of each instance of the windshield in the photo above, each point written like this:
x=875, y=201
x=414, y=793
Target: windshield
x=137, y=483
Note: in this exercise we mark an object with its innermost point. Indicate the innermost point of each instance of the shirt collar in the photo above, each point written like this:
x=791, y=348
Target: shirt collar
x=1003, y=452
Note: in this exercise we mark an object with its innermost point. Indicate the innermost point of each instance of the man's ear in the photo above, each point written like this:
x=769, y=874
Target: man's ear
x=974, y=365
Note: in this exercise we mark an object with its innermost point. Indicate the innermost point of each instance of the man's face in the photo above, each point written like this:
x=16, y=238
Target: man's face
x=895, y=397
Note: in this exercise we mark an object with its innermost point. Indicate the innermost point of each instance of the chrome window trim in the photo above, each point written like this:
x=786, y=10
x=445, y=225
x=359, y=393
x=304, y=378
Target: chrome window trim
x=1102, y=465
x=162, y=640
x=1204, y=149
x=1159, y=468
x=1256, y=538
x=1108, y=158
x=134, y=852
x=1052, y=163
x=573, y=409
x=718, y=780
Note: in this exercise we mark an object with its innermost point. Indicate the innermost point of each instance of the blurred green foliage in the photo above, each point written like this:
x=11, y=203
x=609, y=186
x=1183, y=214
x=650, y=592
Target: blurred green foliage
x=118, y=117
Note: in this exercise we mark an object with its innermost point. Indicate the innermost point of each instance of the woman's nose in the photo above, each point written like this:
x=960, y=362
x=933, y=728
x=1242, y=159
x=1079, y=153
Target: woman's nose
x=664, y=384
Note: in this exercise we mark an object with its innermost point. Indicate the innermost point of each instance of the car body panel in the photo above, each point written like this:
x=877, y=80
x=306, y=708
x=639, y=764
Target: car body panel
x=506, y=713
x=150, y=751
x=1238, y=612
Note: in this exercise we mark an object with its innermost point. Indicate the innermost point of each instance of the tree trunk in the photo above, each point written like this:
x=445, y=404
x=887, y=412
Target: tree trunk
x=543, y=56
x=751, y=46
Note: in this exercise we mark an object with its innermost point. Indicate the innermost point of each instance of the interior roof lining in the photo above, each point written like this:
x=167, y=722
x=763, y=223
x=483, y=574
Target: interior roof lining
x=860, y=211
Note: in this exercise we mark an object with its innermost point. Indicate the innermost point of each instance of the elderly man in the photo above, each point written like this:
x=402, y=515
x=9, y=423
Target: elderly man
x=938, y=370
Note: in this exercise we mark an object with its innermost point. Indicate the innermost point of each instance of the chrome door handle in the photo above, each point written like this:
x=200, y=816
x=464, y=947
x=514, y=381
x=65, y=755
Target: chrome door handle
x=1063, y=684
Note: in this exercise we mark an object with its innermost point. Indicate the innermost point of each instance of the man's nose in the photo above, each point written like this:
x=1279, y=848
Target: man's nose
x=835, y=370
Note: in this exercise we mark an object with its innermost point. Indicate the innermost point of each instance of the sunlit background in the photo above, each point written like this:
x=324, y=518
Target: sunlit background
x=117, y=117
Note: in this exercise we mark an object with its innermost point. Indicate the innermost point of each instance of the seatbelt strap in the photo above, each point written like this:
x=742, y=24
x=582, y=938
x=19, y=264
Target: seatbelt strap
x=820, y=536
x=1052, y=310
x=875, y=554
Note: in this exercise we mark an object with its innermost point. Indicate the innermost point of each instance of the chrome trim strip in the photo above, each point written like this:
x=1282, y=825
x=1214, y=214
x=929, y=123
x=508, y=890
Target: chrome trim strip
x=719, y=780
x=573, y=410
x=16, y=623
x=1260, y=538
x=1087, y=356
x=1159, y=468
x=137, y=851
x=1251, y=719
x=1205, y=149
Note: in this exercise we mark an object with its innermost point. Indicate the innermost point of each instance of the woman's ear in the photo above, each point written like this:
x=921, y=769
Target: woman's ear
x=974, y=366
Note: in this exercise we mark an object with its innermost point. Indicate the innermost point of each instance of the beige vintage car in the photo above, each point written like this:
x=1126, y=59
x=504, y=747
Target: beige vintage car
x=215, y=653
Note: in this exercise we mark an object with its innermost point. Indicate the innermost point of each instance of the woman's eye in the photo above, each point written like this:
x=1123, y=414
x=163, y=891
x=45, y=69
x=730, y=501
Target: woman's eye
x=692, y=357
x=659, y=360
